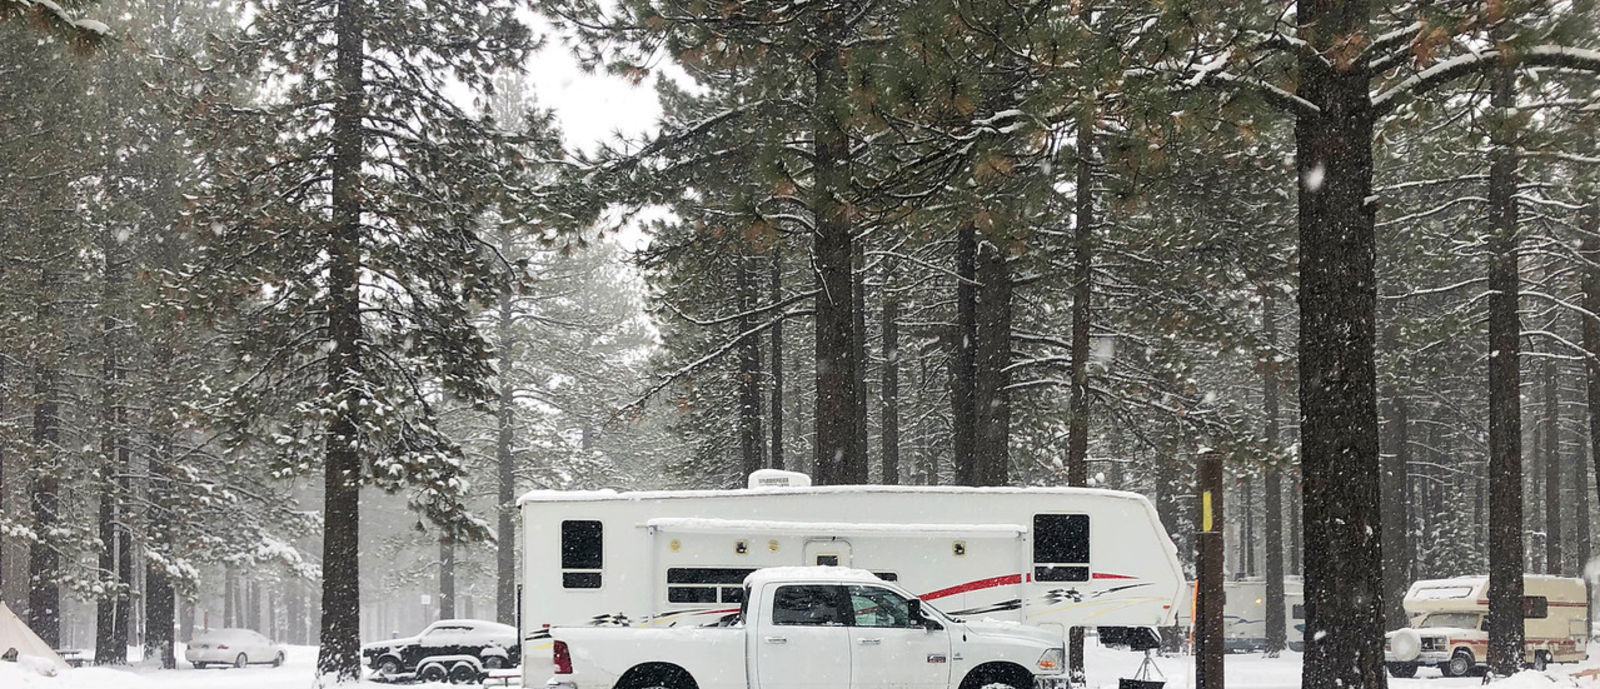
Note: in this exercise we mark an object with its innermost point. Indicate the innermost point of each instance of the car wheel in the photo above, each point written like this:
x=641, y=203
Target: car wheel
x=278, y=660
x=433, y=673
x=494, y=663
x=199, y=666
x=241, y=661
x=1403, y=670
x=464, y=673
x=389, y=666
x=1460, y=664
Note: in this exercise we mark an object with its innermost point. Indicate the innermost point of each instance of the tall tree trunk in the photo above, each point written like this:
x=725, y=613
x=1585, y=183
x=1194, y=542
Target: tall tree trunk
x=1581, y=547
x=1590, y=277
x=775, y=295
x=1393, y=483
x=229, y=598
x=252, y=604
x=1082, y=312
x=44, y=562
x=160, y=598
x=858, y=292
x=890, y=433
x=505, y=557
x=1550, y=434
x=992, y=362
x=339, y=658
x=838, y=412
x=116, y=564
x=1247, y=526
x=963, y=362
x=1506, y=562
x=1272, y=482
x=447, y=578
x=1338, y=395
x=294, y=612
x=752, y=440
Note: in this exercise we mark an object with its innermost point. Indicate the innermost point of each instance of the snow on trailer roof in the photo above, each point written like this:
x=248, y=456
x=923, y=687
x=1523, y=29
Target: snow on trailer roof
x=817, y=573
x=609, y=495
x=698, y=525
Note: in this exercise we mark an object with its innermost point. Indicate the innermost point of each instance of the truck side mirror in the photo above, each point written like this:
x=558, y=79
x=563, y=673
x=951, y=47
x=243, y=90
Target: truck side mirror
x=914, y=607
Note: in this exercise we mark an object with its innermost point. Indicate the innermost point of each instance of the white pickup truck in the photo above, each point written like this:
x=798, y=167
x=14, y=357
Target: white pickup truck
x=814, y=628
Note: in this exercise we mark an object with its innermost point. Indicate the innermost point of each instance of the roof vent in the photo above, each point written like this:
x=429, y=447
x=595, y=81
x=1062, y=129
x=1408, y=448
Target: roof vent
x=778, y=478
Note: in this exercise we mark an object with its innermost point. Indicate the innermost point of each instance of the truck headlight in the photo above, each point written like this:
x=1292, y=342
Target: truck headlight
x=1052, y=660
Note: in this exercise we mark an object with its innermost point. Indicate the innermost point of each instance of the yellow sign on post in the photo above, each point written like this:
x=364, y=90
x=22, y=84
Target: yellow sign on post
x=1205, y=511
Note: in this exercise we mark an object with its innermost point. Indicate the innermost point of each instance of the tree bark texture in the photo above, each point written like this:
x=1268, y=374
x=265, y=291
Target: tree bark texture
x=1394, y=484
x=1338, y=397
x=1590, y=276
x=775, y=295
x=752, y=440
x=963, y=365
x=505, y=558
x=1550, y=450
x=890, y=429
x=838, y=412
x=991, y=362
x=1506, y=559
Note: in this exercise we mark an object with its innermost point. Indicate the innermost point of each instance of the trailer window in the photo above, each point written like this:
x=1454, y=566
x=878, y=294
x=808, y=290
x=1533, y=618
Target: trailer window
x=582, y=559
x=811, y=606
x=1061, y=547
x=706, y=584
x=1535, y=607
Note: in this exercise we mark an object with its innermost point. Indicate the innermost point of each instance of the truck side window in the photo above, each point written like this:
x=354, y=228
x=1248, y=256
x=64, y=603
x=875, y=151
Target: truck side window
x=582, y=548
x=879, y=607
x=810, y=605
x=1061, y=547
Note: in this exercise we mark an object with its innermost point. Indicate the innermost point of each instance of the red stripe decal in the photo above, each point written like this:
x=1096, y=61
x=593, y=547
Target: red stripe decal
x=1104, y=575
x=974, y=586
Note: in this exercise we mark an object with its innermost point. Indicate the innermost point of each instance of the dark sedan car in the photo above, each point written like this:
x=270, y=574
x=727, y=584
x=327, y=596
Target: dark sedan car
x=446, y=649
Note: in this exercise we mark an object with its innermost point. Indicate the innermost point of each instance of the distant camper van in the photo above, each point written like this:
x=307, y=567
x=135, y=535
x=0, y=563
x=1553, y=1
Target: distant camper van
x=1244, y=614
x=1450, y=623
x=1053, y=557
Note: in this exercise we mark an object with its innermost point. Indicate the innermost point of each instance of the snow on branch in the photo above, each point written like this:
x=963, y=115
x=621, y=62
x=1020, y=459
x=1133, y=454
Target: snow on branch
x=711, y=356
x=1580, y=59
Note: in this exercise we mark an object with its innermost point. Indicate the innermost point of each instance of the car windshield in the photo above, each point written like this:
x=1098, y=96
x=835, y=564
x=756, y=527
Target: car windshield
x=1457, y=620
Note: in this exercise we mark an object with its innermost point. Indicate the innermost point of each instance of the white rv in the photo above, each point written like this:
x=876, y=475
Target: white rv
x=1053, y=557
x=1450, y=617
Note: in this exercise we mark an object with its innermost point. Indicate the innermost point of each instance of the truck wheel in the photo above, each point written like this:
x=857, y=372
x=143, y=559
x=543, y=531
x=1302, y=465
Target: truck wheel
x=433, y=673
x=1540, y=661
x=389, y=666
x=1403, y=670
x=1460, y=664
x=998, y=676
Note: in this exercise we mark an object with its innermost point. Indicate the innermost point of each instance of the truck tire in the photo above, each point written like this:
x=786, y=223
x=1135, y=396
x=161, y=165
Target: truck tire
x=1541, y=660
x=998, y=675
x=1461, y=664
x=657, y=676
x=389, y=666
x=1403, y=670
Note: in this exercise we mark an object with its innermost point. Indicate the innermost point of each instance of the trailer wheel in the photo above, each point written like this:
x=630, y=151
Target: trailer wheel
x=464, y=673
x=1461, y=663
x=1403, y=670
x=433, y=672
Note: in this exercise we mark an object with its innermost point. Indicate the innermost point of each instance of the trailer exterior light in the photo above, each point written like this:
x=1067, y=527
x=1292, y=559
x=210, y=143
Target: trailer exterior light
x=1052, y=660
x=563, y=658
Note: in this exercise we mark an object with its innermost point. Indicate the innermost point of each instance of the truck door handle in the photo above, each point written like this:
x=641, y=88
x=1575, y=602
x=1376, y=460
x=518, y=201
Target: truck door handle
x=777, y=640
x=871, y=642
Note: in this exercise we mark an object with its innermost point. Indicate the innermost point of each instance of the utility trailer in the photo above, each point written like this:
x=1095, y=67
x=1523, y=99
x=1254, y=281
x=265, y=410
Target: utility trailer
x=1050, y=557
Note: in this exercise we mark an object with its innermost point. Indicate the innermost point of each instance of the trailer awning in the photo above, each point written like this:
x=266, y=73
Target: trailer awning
x=749, y=527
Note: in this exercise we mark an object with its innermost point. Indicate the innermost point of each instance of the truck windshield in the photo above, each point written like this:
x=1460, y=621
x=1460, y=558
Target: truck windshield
x=1456, y=620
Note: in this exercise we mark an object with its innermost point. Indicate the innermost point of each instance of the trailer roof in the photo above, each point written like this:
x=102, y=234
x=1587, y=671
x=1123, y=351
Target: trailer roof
x=612, y=495
x=698, y=525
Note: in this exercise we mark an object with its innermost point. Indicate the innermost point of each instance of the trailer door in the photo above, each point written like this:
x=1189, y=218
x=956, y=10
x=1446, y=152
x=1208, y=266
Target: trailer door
x=829, y=552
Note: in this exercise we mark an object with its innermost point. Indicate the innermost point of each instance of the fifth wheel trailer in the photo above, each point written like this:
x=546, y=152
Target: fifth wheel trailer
x=1049, y=557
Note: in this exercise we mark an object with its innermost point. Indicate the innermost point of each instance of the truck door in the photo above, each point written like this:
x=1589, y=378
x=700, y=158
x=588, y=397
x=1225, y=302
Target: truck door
x=891, y=651
x=803, y=638
x=832, y=552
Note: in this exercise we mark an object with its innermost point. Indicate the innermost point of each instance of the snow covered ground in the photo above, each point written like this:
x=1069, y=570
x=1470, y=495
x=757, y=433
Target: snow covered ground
x=1245, y=671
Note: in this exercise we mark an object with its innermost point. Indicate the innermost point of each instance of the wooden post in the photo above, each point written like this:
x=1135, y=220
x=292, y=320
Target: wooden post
x=1208, y=568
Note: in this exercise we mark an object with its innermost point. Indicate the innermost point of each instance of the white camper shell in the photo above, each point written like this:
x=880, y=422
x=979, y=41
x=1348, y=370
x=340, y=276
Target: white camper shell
x=1449, y=624
x=1054, y=557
